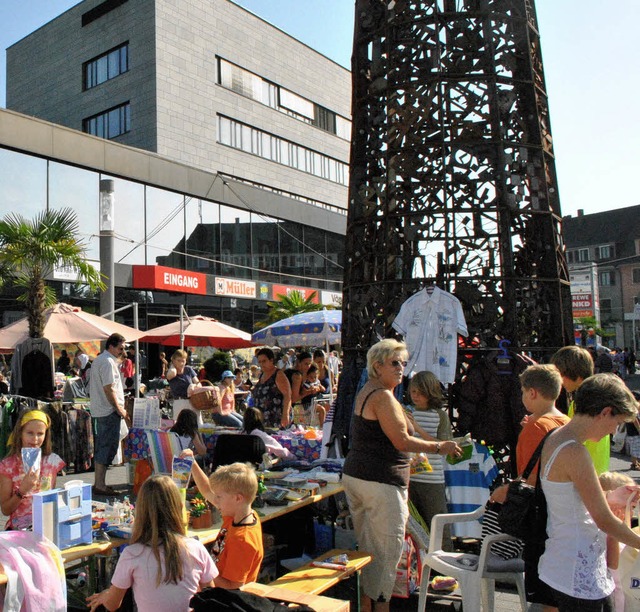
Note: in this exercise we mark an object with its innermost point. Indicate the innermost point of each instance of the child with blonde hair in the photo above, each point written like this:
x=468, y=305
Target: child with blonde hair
x=238, y=549
x=610, y=482
x=17, y=485
x=164, y=567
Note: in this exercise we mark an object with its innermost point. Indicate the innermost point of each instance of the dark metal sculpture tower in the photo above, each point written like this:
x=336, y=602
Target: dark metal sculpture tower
x=452, y=173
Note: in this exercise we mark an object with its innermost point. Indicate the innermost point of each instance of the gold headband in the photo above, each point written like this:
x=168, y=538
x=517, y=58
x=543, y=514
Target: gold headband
x=31, y=415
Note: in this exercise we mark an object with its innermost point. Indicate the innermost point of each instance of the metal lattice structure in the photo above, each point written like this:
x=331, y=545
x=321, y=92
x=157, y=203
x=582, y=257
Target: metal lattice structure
x=453, y=178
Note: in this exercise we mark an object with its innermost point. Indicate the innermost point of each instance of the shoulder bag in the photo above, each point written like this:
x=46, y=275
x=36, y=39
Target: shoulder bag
x=524, y=512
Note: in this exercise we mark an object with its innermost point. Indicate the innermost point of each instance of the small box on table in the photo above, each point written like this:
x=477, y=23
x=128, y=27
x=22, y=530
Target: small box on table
x=64, y=515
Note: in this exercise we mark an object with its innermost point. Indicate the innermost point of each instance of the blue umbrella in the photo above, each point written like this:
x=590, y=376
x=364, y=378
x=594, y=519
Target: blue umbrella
x=318, y=328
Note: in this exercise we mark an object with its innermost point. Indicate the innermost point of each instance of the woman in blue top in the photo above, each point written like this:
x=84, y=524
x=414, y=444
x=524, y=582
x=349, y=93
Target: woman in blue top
x=180, y=375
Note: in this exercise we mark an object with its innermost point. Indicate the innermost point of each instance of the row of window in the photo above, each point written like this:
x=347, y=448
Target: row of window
x=110, y=123
x=255, y=87
x=600, y=252
x=252, y=140
x=106, y=66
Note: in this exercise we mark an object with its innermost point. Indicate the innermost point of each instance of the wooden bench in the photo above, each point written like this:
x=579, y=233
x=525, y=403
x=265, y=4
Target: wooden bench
x=314, y=580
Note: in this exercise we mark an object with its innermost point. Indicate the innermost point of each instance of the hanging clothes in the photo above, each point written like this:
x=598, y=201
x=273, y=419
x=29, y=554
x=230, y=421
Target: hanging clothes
x=489, y=398
x=32, y=368
x=430, y=321
x=467, y=485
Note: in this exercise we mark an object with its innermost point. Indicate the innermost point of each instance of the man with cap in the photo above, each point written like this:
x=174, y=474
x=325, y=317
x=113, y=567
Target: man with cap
x=227, y=417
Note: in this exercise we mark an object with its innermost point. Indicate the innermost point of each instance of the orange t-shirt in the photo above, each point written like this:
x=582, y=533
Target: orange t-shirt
x=531, y=435
x=238, y=550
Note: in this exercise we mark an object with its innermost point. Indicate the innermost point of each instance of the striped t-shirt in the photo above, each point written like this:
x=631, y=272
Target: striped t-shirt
x=429, y=420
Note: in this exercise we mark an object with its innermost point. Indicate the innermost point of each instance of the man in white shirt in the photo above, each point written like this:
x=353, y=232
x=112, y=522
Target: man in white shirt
x=107, y=408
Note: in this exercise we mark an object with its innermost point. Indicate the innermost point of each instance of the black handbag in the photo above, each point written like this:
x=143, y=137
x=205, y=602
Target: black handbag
x=524, y=512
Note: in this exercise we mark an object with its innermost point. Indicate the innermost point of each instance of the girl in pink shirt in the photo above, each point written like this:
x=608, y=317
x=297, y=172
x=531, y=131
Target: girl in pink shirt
x=17, y=485
x=163, y=566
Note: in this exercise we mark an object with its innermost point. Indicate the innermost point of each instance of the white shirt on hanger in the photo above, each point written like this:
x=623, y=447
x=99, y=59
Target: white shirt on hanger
x=430, y=324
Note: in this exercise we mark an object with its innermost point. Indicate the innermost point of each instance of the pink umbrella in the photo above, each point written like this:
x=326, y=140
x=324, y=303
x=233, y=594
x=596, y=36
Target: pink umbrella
x=199, y=331
x=66, y=324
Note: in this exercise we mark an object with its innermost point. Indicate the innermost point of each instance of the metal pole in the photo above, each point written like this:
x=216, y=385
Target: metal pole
x=107, y=241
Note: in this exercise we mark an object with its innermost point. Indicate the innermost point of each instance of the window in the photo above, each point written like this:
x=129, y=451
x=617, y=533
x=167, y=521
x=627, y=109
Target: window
x=252, y=140
x=570, y=256
x=636, y=275
x=583, y=254
x=604, y=252
x=607, y=278
x=283, y=100
x=605, y=306
x=106, y=66
x=109, y=124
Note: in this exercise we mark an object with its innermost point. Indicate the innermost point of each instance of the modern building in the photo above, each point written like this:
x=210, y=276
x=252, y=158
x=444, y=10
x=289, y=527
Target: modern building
x=605, y=246
x=205, y=83
x=227, y=141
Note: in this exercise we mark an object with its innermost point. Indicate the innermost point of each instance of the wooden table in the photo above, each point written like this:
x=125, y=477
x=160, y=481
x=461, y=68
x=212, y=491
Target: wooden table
x=208, y=535
x=317, y=602
x=313, y=580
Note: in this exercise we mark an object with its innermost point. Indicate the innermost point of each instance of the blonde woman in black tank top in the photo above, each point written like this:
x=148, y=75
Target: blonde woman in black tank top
x=376, y=471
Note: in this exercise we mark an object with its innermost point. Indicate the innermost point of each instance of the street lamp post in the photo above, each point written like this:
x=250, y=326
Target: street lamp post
x=107, y=241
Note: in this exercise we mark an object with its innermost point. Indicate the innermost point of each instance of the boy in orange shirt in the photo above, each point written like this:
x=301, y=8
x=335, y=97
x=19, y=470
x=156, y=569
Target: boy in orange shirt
x=238, y=549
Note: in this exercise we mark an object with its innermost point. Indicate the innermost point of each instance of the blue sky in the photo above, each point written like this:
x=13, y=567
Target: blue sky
x=590, y=55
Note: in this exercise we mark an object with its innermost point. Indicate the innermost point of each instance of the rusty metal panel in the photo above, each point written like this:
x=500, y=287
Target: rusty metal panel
x=453, y=178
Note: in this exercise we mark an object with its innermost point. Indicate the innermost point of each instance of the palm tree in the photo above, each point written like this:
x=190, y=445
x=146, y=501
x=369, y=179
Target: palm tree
x=29, y=251
x=285, y=306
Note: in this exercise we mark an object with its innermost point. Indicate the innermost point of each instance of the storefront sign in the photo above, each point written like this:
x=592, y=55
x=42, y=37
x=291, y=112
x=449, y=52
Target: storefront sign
x=232, y=287
x=582, y=304
x=331, y=298
x=169, y=279
x=286, y=290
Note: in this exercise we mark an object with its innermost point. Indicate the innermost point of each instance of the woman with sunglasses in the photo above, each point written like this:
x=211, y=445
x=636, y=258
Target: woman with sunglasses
x=376, y=471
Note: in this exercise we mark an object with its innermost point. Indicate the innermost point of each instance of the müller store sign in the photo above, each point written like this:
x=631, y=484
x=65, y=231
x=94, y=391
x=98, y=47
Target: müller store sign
x=169, y=279
x=161, y=278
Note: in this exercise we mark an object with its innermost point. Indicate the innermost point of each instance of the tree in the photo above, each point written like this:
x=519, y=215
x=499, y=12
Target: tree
x=285, y=306
x=29, y=251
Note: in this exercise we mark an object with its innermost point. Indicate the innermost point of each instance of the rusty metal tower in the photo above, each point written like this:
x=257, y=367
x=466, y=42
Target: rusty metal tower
x=453, y=178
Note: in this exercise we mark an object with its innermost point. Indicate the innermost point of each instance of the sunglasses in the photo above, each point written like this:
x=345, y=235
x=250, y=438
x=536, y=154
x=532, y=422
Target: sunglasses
x=395, y=363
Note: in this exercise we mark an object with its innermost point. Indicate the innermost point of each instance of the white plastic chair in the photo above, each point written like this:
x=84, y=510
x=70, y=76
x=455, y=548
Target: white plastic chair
x=476, y=574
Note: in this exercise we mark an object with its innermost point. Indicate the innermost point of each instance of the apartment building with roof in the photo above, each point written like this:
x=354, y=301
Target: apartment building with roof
x=610, y=240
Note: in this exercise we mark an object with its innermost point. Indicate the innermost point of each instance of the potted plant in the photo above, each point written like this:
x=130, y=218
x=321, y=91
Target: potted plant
x=200, y=515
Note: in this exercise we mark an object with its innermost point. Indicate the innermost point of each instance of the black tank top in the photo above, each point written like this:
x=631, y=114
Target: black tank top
x=372, y=456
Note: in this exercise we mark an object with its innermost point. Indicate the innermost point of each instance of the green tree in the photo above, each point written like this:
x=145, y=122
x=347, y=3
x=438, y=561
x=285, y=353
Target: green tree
x=288, y=305
x=29, y=251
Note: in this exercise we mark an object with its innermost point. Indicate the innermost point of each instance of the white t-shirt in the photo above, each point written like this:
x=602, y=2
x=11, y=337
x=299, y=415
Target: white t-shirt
x=104, y=371
x=137, y=568
x=430, y=324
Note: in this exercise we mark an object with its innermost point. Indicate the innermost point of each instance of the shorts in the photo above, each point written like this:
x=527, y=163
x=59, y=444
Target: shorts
x=106, y=438
x=566, y=603
x=379, y=512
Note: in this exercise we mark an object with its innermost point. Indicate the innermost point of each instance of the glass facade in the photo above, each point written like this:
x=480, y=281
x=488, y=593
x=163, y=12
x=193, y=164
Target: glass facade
x=157, y=226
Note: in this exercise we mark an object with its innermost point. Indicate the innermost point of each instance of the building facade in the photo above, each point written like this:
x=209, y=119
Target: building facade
x=195, y=232
x=203, y=82
x=226, y=138
x=606, y=246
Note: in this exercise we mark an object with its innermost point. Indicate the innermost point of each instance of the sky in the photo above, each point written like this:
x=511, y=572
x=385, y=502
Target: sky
x=590, y=59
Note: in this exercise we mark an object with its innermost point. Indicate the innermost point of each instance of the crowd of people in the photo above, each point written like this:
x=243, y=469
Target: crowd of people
x=578, y=561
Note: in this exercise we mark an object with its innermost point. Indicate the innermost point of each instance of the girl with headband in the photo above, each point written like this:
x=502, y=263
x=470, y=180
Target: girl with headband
x=17, y=486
